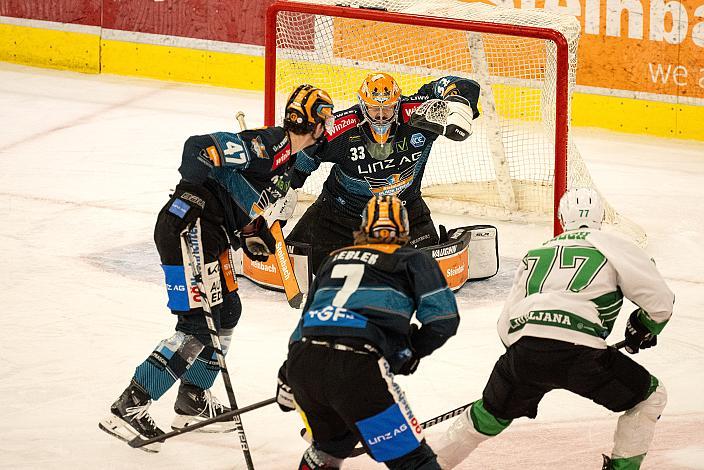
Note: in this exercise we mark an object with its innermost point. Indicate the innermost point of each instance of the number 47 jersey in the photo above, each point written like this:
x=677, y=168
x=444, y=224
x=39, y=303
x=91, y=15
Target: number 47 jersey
x=372, y=291
x=572, y=288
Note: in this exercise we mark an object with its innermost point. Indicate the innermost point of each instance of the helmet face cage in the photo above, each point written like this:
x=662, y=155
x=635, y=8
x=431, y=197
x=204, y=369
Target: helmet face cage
x=306, y=107
x=379, y=99
x=384, y=220
x=579, y=208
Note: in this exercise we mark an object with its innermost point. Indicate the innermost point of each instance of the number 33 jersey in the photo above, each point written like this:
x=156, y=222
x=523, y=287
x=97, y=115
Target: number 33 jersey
x=572, y=289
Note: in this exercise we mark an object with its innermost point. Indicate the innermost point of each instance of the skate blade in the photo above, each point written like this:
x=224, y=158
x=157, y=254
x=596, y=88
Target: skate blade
x=118, y=428
x=182, y=421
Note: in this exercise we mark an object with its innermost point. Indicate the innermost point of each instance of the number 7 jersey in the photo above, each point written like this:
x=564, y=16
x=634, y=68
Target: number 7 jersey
x=572, y=288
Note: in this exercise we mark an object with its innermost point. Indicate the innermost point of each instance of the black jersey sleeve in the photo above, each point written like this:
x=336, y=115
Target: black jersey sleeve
x=436, y=305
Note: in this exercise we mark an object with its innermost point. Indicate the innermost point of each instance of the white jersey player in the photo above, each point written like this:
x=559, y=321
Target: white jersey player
x=563, y=304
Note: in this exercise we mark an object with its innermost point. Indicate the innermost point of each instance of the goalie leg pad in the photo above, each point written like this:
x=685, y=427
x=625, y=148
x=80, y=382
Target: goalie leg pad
x=468, y=253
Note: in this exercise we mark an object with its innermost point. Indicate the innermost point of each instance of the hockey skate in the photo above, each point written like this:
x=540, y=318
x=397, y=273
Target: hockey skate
x=194, y=404
x=129, y=418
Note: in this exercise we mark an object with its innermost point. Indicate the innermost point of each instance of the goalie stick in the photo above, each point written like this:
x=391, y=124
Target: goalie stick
x=137, y=442
x=294, y=296
x=214, y=338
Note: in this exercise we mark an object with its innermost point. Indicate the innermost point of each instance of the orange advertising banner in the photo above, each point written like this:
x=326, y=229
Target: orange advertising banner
x=652, y=46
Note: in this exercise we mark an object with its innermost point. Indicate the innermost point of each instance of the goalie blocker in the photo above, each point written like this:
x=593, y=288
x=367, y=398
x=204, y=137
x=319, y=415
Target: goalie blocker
x=466, y=253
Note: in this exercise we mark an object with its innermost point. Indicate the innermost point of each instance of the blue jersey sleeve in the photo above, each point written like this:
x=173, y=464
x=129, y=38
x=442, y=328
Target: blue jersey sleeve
x=436, y=307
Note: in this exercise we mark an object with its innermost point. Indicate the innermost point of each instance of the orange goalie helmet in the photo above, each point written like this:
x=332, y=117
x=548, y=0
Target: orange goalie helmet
x=384, y=220
x=379, y=98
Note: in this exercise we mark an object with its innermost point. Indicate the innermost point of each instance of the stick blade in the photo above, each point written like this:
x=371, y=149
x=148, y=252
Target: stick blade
x=296, y=301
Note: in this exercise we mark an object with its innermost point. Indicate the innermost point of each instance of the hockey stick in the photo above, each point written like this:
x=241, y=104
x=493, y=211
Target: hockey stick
x=450, y=414
x=137, y=442
x=215, y=339
x=294, y=296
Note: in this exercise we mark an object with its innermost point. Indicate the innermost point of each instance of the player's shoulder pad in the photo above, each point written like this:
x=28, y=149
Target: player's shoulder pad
x=344, y=121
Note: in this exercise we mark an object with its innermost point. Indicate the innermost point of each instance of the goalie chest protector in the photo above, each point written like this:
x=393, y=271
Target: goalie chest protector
x=470, y=253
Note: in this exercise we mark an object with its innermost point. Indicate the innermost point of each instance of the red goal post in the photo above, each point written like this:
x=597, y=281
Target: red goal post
x=308, y=40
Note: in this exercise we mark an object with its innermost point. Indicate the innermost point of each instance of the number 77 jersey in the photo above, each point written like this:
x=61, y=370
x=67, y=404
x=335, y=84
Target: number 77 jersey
x=572, y=288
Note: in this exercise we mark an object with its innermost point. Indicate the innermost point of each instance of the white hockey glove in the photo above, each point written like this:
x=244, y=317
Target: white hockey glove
x=282, y=209
x=451, y=117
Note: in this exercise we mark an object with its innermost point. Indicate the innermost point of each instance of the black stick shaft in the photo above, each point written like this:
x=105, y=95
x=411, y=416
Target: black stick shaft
x=137, y=442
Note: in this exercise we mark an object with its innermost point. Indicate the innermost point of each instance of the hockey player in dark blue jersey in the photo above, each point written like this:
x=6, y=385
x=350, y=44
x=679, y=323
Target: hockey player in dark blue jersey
x=229, y=183
x=381, y=147
x=355, y=334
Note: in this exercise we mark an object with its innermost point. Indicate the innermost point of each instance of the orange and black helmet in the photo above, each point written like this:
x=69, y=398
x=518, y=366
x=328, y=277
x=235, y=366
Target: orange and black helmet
x=306, y=107
x=384, y=220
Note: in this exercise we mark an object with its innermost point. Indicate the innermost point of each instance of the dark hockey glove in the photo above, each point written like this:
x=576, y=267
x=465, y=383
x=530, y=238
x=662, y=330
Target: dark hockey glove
x=637, y=334
x=405, y=361
x=284, y=394
x=408, y=361
x=257, y=241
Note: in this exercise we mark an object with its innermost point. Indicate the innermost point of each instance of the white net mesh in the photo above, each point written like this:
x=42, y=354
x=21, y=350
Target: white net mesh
x=507, y=167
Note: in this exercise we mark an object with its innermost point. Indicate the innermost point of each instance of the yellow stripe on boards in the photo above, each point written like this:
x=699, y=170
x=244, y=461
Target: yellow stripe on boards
x=54, y=49
x=183, y=65
x=638, y=116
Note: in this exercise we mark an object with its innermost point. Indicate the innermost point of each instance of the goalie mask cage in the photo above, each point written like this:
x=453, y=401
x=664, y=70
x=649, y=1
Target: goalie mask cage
x=519, y=160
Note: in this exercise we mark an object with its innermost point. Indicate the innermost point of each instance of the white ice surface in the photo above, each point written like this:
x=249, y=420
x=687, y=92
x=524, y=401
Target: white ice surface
x=86, y=162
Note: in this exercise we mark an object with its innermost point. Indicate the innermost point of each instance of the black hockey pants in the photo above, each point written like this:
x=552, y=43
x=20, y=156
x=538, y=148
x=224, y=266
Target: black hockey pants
x=349, y=395
x=531, y=367
x=188, y=204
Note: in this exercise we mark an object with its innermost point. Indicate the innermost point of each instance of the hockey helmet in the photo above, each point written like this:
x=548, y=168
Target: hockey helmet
x=579, y=208
x=379, y=99
x=306, y=107
x=384, y=220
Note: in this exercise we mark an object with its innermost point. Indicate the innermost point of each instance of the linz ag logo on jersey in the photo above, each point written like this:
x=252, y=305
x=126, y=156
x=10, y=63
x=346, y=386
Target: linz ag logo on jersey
x=281, y=157
x=407, y=110
x=343, y=124
x=440, y=252
x=417, y=140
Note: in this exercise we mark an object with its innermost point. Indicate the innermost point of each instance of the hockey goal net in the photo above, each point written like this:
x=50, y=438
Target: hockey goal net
x=520, y=158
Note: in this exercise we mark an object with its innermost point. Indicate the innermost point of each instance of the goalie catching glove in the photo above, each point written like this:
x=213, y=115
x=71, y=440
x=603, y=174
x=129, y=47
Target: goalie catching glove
x=451, y=117
x=257, y=241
